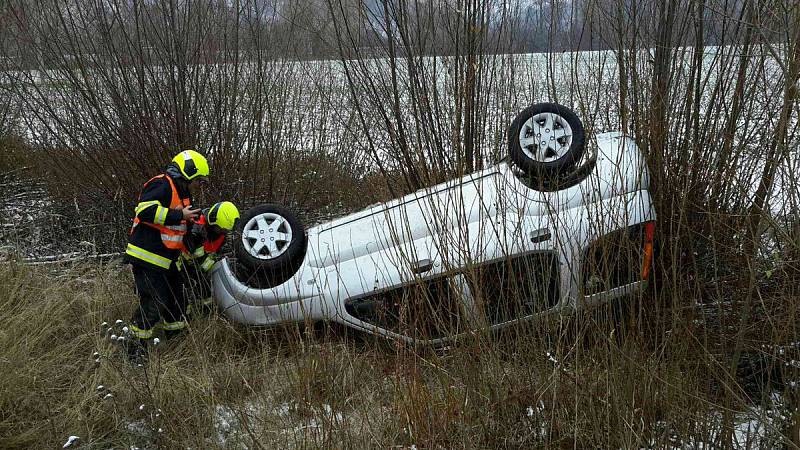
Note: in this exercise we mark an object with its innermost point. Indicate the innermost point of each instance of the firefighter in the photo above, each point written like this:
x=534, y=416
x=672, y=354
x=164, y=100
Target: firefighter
x=203, y=243
x=163, y=216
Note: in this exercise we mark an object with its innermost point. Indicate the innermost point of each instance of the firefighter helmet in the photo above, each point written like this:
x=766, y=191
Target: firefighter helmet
x=191, y=164
x=223, y=215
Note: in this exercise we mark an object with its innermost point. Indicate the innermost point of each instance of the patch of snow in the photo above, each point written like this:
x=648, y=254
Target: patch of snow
x=750, y=433
x=311, y=424
x=225, y=423
x=138, y=428
x=283, y=410
x=330, y=413
x=756, y=428
x=70, y=441
x=227, y=420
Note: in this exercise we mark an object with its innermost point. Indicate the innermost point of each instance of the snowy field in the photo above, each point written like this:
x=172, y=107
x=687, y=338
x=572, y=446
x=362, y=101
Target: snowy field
x=311, y=107
x=345, y=110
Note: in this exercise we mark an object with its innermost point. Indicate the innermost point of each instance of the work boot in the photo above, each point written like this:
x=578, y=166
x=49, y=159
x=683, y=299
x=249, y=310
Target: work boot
x=174, y=329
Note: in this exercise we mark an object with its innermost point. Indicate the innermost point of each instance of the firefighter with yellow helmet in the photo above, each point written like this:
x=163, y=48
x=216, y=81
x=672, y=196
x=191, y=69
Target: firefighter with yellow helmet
x=203, y=243
x=162, y=219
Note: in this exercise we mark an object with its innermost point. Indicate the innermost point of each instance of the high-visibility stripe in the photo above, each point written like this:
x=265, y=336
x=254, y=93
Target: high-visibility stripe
x=146, y=256
x=161, y=215
x=198, y=252
x=140, y=333
x=170, y=237
x=207, y=264
x=172, y=326
x=144, y=205
x=176, y=227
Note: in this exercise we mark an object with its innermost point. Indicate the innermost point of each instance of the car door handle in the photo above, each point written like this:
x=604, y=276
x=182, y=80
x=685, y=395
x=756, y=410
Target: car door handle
x=423, y=265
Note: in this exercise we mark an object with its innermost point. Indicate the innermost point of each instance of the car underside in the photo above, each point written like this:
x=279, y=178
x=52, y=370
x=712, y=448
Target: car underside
x=516, y=241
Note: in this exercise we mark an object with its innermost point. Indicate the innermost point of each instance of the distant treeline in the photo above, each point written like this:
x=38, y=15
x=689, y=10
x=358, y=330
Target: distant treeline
x=306, y=29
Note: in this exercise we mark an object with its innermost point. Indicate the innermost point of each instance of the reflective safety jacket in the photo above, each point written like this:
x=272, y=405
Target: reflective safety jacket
x=202, y=245
x=156, y=237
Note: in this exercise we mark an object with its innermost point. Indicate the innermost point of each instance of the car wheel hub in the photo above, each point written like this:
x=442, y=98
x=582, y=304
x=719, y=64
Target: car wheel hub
x=545, y=137
x=267, y=236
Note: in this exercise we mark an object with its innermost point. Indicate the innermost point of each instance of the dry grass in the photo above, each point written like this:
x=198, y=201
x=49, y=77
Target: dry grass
x=577, y=384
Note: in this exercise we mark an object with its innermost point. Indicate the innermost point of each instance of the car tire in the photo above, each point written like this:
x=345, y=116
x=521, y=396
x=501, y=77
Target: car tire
x=271, y=243
x=546, y=141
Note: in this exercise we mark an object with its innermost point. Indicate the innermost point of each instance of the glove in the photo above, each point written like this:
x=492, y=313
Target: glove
x=199, y=231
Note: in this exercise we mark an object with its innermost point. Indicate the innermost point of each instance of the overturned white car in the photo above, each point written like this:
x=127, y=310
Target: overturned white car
x=559, y=225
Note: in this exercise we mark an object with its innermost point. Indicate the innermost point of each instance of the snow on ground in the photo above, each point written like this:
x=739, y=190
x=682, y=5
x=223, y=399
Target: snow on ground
x=72, y=440
x=756, y=428
x=232, y=422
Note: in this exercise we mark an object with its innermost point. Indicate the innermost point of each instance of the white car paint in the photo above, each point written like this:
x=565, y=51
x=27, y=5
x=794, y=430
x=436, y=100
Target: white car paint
x=481, y=217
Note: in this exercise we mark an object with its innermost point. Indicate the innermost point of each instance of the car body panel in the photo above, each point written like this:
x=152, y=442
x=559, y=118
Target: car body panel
x=436, y=231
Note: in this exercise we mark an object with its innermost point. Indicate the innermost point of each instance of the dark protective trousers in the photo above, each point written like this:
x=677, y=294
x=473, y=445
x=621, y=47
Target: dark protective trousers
x=161, y=298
